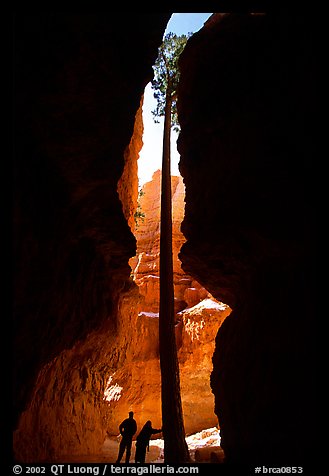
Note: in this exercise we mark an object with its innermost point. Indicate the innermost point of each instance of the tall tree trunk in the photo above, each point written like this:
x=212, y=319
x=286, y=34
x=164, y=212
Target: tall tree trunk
x=175, y=446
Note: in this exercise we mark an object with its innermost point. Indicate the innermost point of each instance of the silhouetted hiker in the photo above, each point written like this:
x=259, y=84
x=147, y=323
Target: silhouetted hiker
x=143, y=441
x=127, y=429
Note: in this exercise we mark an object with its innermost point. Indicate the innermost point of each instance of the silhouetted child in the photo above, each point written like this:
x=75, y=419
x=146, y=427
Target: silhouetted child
x=143, y=441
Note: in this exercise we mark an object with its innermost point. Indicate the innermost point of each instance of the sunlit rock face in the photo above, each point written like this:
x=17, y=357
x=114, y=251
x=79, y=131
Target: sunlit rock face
x=146, y=263
x=78, y=90
x=245, y=106
x=200, y=324
x=128, y=183
x=137, y=384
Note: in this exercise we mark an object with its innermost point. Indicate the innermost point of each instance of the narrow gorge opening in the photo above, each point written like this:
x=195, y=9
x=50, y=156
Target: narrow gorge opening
x=198, y=314
x=85, y=343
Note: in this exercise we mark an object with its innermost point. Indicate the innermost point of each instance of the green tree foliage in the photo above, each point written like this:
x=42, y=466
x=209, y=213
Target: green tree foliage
x=166, y=76
x=139, y=214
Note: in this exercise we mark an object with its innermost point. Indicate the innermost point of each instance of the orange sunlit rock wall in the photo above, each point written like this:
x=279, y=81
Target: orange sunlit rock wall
x=137, y=384
x=146, y=263
x=128, y=183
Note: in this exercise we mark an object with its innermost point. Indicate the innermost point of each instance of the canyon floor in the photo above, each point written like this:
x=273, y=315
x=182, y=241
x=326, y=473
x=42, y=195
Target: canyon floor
x=204, y=447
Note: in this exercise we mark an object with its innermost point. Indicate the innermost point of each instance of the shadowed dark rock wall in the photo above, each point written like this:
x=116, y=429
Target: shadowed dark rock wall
x=245, y=109
x=78, y=83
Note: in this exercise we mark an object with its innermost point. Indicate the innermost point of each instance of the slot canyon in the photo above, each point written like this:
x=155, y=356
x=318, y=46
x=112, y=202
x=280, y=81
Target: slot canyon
x=85, y=333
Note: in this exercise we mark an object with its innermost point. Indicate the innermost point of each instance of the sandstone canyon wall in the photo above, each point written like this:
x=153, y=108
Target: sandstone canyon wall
x=146, y=263
x=136, y=385
x=245, y=109
x=79, y=80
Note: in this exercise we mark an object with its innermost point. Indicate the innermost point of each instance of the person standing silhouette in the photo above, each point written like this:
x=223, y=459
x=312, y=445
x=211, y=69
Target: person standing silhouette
x=143, y=441
x=127, y=428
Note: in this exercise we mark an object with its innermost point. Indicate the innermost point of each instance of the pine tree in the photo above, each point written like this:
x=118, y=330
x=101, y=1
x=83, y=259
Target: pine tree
x=165, y=85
